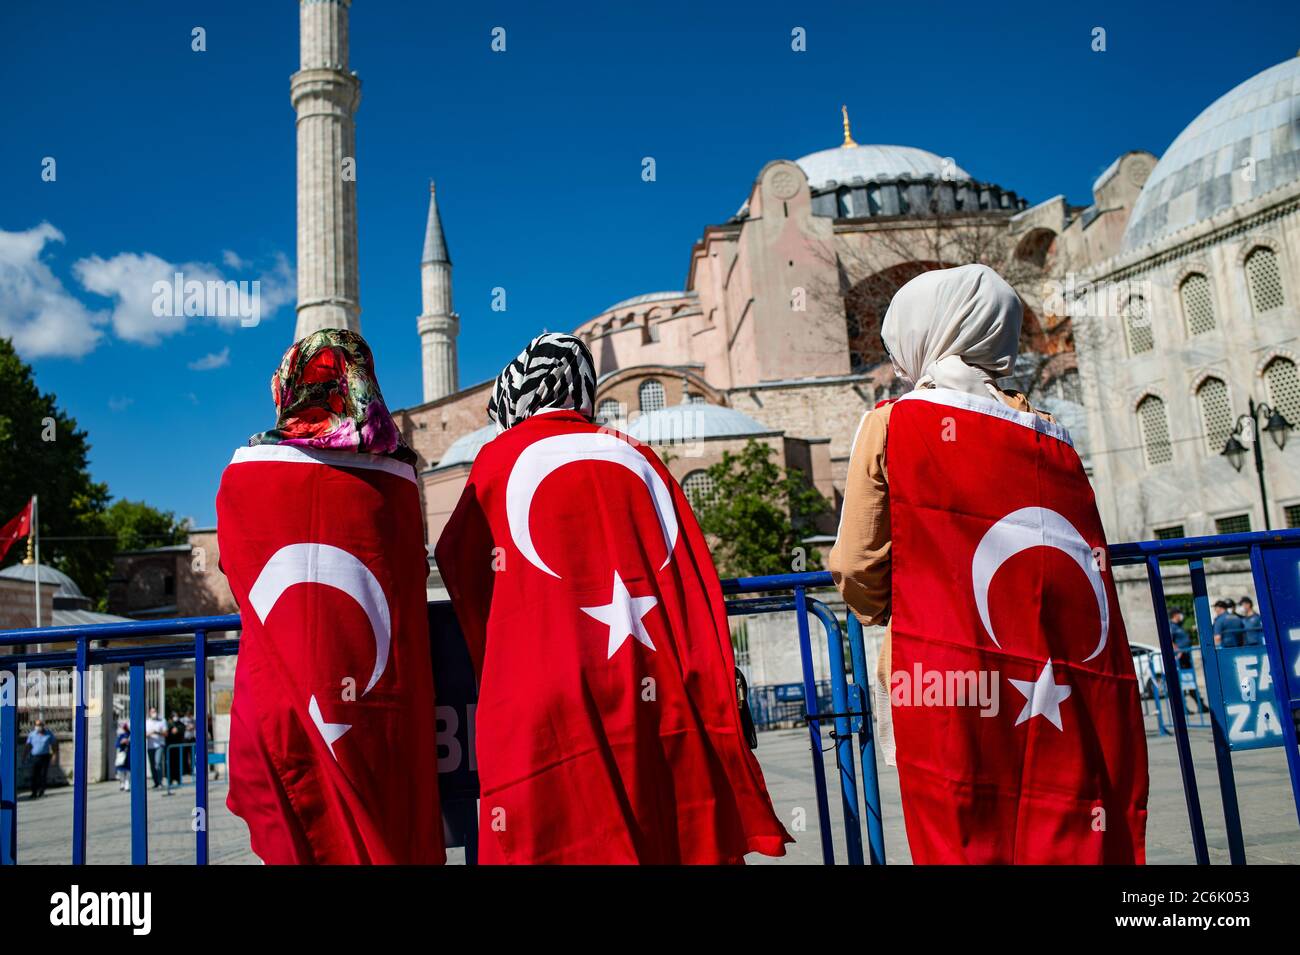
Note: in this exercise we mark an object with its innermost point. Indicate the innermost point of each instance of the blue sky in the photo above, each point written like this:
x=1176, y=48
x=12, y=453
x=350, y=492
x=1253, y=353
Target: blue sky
x=165, y=154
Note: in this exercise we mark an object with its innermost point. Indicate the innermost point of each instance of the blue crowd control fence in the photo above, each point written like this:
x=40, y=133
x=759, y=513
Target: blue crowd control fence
x=1253, y=695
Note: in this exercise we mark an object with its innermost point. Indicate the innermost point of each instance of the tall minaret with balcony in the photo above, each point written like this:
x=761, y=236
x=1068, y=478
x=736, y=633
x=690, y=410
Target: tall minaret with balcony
x=325, y=94
x=438, y=325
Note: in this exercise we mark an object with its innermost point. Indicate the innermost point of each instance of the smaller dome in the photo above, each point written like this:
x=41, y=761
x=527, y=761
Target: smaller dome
x=678, y=424
x=1200, y=174
x=844, y=164
x=67, y=586
x=466, y=448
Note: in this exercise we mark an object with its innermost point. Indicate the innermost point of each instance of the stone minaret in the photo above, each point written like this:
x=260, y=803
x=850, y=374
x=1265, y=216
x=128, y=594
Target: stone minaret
x=325, y=94
x=439, y=325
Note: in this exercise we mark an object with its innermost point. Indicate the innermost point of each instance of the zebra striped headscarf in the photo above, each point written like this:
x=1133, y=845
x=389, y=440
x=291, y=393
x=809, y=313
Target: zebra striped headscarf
x=554, y=371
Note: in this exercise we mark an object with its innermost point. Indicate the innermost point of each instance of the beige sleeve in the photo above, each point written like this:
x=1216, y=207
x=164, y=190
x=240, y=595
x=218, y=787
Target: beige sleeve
x=860, y=559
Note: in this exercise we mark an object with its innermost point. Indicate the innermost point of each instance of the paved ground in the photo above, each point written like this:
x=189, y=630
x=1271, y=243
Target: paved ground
x=1272, y=834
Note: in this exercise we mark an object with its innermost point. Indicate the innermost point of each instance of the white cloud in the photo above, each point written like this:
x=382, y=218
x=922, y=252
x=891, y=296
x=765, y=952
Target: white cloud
x=116, y=404
x=216, y=359
x=44, y=318
x=36, y=311
x=129, y=278
x=153, y=296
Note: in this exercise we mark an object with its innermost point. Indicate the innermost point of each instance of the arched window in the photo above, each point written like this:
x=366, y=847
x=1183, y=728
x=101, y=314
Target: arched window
x=1154, y=424
x=1198, y=307
x=651, y=394
x=1137, y=324
x=1284, y=388
x=608, y=411
x=1216, y=413
x=698, y=488
x=1264, y=279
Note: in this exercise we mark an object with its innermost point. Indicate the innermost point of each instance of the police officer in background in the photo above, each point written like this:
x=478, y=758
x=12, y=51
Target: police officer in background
x=1229, y=629
x=1251, y=620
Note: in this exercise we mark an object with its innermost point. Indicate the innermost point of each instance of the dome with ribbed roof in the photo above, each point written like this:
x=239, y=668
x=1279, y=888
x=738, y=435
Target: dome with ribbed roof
x=1255, y=126
x=466, y=448
x=845, y=165
x=677, y=424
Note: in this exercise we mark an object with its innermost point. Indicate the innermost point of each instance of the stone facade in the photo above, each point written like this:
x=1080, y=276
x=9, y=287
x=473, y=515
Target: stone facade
x=780, y=312
x=18, y=605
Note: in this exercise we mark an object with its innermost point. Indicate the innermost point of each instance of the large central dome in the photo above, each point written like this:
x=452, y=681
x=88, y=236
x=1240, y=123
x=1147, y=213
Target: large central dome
x=844, y=165
x=1246, y=143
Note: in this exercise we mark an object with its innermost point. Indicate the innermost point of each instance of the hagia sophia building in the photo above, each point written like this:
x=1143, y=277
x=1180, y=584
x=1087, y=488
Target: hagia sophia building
x=1155, y=317
x=1152, y=314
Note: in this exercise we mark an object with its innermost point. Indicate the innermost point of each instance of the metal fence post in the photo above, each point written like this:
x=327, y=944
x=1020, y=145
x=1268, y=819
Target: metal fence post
x=1181, y=739
x=862, y=683
x=201, y=747
x=1214, y=691
x=1281, y=690
x=843, y=731
x=139, y=772
x=814, y=726
x=79, y=756
x=8, y=767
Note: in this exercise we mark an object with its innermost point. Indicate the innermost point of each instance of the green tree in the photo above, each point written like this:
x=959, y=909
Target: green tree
x=135, y=525
x=759, y=514
x=43, y=452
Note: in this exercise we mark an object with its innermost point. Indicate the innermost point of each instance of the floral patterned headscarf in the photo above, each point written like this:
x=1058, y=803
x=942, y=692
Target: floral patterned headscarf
x=327, y=396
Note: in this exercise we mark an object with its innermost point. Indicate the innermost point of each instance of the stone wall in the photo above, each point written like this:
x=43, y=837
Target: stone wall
x=18, y=605
x=201, y=588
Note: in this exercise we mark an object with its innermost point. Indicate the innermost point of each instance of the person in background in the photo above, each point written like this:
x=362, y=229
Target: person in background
x=1252, y=622
x=122, y=760
x=155, y=737
x=175, y=750
x=43, y=745
x=1229, y=630
x=190, y=737
x=1183, y=644
x=1181, y=638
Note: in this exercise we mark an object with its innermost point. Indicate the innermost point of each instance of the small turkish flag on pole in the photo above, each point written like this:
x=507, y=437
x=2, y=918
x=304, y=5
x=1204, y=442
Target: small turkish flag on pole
x=333, y=756
x=1015, y=706
x=19, y=526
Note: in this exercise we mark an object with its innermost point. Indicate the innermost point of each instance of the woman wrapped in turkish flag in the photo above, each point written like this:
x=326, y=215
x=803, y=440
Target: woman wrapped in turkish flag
x=1006, y=694
x=332, y=745
x=607, y=728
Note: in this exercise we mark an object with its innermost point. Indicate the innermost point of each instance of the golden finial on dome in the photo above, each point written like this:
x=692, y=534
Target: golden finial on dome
x=848, y=137
x=31, y=550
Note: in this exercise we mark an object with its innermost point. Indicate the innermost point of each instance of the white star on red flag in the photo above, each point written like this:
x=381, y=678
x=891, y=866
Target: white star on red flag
x=1043, y=697
x=623, y=615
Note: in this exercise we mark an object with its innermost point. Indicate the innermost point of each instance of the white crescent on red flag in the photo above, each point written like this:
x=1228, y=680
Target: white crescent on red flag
x=999, y=573
x=332, y=745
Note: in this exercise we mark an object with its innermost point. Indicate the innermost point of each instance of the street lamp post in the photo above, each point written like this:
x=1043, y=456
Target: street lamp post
x=1247, y=426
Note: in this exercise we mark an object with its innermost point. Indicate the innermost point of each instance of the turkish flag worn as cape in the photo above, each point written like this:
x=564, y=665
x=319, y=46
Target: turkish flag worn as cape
x=1000, y=574
x=607, y=725
x=332, y=748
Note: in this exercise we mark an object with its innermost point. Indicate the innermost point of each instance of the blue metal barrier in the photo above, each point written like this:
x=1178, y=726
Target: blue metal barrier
x=834, y=706
x=1275, y=564
x=1272, y=554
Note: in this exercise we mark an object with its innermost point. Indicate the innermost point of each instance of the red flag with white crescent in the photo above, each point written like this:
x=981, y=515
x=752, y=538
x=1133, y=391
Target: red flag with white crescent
x=17, y=528
x=332, y=745
x=1016, y=713
x=607, y=726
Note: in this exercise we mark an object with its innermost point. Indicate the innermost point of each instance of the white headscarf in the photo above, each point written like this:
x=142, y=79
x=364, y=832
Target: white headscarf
x=954, y=328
